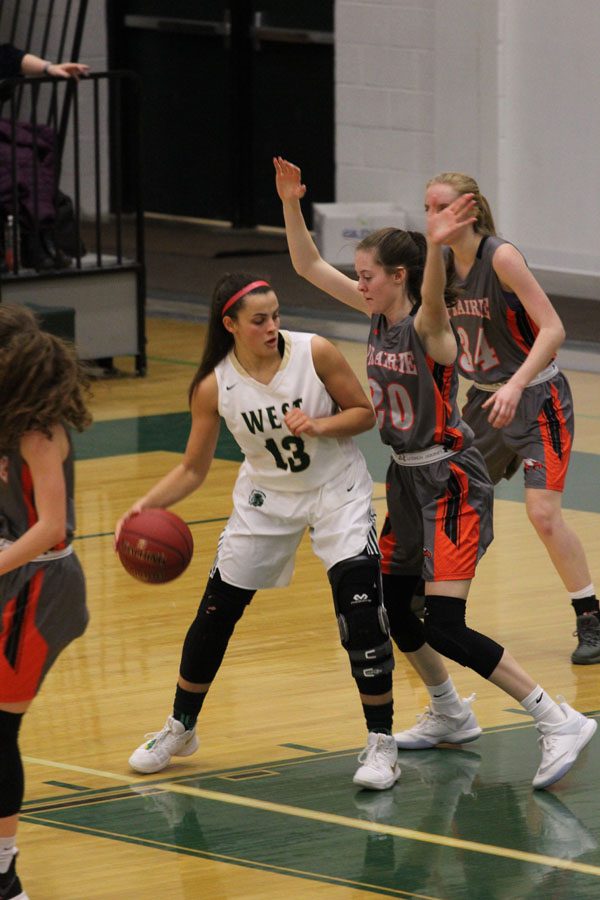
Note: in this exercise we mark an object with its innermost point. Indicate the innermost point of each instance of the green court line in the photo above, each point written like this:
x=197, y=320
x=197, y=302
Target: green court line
x=65, y=784
x=302, y=747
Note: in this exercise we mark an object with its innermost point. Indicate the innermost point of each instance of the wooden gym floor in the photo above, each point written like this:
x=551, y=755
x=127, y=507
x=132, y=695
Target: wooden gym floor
x=267, y=808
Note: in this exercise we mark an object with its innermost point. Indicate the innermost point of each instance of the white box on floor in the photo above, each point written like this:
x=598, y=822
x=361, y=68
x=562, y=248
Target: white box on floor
x=339, y=227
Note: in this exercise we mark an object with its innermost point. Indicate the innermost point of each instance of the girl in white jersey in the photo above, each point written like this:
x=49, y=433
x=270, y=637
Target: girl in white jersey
x=438, y=491
x=519, y=405
x=292, y=403
x=42, y=587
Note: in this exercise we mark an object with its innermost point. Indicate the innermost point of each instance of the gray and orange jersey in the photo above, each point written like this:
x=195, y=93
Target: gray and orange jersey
x=414, y=397
x=495, y=331
x=18, y=512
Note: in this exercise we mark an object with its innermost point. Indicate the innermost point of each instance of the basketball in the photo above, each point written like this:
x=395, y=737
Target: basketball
x=155, y=546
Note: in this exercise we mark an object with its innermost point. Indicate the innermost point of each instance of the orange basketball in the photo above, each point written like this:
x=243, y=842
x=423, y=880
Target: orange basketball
x=155, y=546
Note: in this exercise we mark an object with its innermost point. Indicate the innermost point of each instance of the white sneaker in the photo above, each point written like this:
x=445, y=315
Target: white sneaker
x=435, y=728
x=561, y=745
x=155, y=754
x=379, y=768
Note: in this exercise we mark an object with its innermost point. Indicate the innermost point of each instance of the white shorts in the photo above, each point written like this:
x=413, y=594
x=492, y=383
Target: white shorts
x=258, y=545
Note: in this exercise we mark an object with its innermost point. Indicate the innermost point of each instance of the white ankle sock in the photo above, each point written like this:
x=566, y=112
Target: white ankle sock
x=7, y=851
x=588, y=591
x=445, y=699
x=542, y=707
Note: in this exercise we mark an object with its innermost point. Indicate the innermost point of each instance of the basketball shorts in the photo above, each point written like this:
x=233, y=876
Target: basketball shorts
x=258, y=545
x=439, y=520
x=540, y=435
x=42, y=609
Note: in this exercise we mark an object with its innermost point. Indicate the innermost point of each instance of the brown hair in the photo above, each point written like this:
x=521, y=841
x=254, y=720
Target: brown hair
x=393, y=247
x=42, y=383
x=219, y=341
x=464, y=184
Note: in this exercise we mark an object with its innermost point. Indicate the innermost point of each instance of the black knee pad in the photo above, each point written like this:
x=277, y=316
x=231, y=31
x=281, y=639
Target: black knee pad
x=361, y=615
x=221, y=608
x=447, y=632
x=11, y=767
x=406, y=628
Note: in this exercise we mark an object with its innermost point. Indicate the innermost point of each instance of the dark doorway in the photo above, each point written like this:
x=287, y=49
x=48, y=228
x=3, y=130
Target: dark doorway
x=226, y=85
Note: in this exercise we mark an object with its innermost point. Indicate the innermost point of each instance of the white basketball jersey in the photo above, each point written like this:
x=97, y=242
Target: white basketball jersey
x=254, y=414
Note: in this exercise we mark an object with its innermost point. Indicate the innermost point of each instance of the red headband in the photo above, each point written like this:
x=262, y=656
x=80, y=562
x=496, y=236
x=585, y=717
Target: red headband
x=245, y=290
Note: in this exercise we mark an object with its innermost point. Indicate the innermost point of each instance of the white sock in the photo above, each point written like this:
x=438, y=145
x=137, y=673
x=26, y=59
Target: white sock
x=7, y=851
x=588, y=591
x=542, y=707
x=444, y=698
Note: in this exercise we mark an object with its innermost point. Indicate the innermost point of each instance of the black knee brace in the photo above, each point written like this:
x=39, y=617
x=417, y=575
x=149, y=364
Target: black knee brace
x=406, y=628
x=222, y=606
x=362, y=620
x=447, y=632
x=11, y=768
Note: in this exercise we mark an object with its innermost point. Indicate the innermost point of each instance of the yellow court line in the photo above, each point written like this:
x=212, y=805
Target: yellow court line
x=333, y=819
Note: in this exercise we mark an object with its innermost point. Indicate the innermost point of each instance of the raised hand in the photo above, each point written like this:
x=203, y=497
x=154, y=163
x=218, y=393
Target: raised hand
x=445, y=224
x=288, y=180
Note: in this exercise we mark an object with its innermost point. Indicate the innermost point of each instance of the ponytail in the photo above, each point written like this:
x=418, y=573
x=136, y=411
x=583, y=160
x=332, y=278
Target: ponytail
x=228, y=299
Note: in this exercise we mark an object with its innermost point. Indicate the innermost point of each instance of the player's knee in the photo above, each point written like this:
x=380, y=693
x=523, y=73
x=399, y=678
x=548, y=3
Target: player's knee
x=362, y=619
x=222, y=605
x=543, y=514
x=447, y=632
x=405, y=626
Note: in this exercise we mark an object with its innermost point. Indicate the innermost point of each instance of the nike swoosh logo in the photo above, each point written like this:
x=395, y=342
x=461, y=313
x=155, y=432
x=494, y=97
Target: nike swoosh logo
x=539, y=698
x=351, y=488
x=229, y=386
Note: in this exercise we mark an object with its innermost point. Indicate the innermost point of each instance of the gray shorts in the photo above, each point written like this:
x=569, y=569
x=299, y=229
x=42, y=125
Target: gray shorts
x=540, y=435
x=439, y=520
x=42, y=609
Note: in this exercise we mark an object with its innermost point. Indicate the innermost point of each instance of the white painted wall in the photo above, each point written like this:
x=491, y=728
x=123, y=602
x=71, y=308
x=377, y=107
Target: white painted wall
x=384, y=71
x=549, y=178
x=506, y=90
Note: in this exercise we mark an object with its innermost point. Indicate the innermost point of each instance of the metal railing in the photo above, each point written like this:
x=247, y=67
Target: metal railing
x=62, y=178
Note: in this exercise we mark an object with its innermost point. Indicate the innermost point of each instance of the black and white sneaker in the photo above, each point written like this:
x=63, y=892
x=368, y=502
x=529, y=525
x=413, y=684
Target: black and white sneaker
x=10, y=885
x=587, y=651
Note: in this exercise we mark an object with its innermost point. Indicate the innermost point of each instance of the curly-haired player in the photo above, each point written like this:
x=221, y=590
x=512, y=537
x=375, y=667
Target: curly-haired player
x=42, y=587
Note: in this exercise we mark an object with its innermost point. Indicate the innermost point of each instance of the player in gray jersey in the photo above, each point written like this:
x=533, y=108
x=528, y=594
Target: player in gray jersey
x=439, y=493
x=292, y=403
x=42, y=588
x=519, y=405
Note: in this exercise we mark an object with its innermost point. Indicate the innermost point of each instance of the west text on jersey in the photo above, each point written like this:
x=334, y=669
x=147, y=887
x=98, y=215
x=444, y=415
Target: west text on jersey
x=259, y=419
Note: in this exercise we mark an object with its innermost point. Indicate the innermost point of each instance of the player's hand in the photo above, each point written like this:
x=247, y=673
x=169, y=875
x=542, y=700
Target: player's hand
x=68, y=70
x=445, y=225
x=503, y=405
x=299, y=423
x=288, y=180
x=134, y=511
